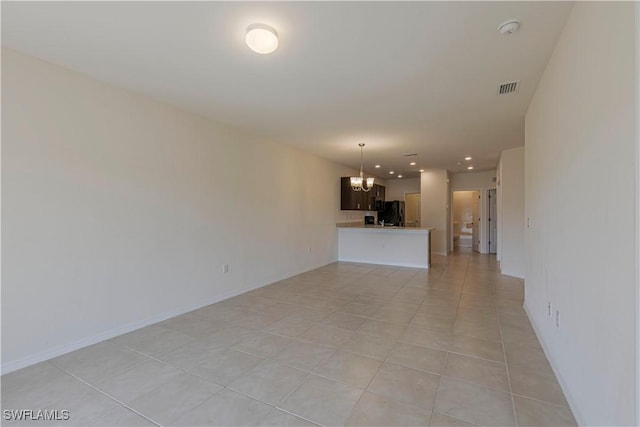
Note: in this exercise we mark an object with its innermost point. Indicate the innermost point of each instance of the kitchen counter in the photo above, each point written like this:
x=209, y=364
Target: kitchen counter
x=388, y=245
x=379, y=227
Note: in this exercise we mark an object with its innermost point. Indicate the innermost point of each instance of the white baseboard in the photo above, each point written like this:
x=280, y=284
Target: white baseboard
x=563, y=385
x=512, y=275
x=59, y=350
x=399, y=264
x=32, y=359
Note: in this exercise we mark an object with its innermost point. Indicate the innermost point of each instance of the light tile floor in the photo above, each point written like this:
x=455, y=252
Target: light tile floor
x=345, y=344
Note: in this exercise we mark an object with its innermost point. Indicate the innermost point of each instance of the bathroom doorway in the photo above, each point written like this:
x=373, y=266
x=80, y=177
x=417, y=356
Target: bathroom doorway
x=466, y=219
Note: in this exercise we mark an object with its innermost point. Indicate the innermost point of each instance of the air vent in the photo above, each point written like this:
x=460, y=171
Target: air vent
x=506, y=88
x=410, y=154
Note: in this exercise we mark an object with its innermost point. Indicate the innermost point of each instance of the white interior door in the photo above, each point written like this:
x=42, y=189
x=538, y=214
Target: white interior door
x=475, y=231
x=412, y=209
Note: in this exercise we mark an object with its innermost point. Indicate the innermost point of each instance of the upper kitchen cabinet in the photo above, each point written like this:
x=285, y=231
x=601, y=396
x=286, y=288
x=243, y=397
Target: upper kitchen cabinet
x=350, y=200
x=377, y=199
x=360, y=200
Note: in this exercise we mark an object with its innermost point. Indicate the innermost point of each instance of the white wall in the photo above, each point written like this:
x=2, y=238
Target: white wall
x=581, y=196
x=510, y=195
x=637, y=25
x=481, y=181
x=473, y=180
x=119, y=211
x=397, y=188
x=434, y=210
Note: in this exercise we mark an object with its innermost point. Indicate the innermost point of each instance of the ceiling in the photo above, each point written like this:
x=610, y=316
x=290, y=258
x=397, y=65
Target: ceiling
x=402, y=77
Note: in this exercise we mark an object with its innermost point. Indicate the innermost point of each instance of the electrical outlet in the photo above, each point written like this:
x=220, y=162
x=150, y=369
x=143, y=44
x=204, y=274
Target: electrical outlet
x=549, y=308
x=528, y=222
x=309, y=249
x=557, y=318
x=225, y=268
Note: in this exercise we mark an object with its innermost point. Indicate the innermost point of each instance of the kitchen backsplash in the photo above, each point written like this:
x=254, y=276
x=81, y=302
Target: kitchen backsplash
x=353, y=216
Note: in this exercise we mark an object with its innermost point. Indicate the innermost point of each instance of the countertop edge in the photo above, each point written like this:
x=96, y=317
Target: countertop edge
x=351, y=226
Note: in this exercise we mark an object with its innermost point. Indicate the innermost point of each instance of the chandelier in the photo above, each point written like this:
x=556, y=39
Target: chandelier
x=358, y=182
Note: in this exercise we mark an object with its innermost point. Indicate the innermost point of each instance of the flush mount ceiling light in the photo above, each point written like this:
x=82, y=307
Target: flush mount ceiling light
x=358, y=182
x=509, y=27
x=421, y=170
x=261, y=38
x=391, y=172
x=399, y=176
x=470, y=167
x=377, y=166
x=467, y=158
x=412, y=164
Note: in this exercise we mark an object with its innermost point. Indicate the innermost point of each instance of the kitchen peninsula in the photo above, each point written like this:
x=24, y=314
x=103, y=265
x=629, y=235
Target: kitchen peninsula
x=374, y=244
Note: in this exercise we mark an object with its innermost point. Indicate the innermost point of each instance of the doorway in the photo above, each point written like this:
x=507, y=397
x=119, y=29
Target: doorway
x=492, y=221
x=466, y=219
x=412, y=214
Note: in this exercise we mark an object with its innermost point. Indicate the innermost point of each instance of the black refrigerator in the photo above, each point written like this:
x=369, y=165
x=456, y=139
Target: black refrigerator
x=392, y=213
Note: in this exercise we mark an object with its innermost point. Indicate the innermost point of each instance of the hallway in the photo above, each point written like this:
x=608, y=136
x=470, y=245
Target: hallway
x=345, y=344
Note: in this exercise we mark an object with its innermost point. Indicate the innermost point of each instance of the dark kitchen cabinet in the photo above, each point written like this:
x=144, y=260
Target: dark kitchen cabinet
x=377, y=198
x=350, y=200
x=360, y=200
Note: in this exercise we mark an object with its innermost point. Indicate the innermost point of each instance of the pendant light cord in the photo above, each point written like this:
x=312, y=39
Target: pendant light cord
x=361, y=160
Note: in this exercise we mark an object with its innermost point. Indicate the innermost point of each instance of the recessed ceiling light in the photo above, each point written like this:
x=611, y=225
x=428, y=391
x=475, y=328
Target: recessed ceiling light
x=377, y=166
x=412, y=163
x=261, y=38
x=421, y=170
x=399, y=176
x=467, y=158
x=469, y=167
x=391, y=172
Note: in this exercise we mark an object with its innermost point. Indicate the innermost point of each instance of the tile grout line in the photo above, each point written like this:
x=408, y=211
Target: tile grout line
x=308, y=374
x=370, y=381
x=110, y=397
x=546, y=402
x=506, y=364
x=365, y=390
x=483, y=386
x=184, y=371
x=274, y=406
x=448, y=350
x=227, y=387
x=155, y=359
x=297, y=416
x=435, y=399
